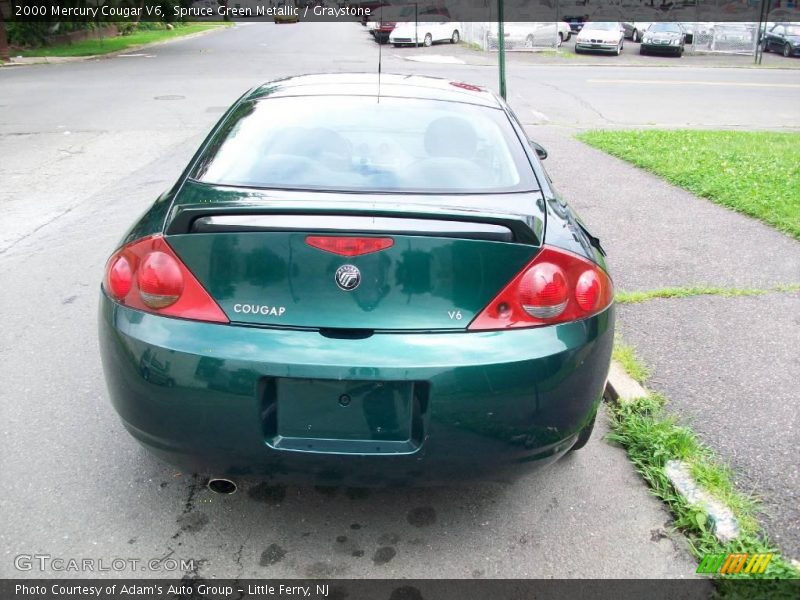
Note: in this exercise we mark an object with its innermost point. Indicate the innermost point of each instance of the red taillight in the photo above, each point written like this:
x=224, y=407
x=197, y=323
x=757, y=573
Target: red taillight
x=555, y=287
x=587, y=290
x=160, y=280
x=147, y=275
x=543, y=291
x=120, y=277
x=349, y=246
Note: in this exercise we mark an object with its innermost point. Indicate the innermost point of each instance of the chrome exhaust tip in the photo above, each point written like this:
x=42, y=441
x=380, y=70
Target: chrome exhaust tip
x=226, y=487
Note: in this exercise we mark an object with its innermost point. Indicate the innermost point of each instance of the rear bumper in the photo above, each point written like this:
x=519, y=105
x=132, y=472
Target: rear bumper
x=198, y=395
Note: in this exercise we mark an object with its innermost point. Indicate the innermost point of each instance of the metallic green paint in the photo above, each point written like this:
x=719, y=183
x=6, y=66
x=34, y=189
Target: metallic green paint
x=481, y=401
x=423, y=406
x=419, y=283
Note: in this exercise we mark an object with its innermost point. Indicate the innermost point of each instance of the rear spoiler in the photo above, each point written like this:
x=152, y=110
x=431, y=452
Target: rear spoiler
x=349, y=224
x=468, y=224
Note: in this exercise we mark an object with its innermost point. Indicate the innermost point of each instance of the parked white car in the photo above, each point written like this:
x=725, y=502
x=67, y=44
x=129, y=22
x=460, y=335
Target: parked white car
x=426, y=33
x=600, y=36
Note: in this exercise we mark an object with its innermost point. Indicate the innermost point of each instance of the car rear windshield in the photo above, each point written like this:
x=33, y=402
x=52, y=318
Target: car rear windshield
x=354, y=143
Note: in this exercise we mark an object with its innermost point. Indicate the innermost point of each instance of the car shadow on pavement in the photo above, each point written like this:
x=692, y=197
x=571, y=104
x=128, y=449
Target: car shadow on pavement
x=551, y=522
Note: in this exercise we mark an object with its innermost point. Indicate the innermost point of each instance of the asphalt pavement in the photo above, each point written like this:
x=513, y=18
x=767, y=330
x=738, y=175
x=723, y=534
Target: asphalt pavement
x=87, y=146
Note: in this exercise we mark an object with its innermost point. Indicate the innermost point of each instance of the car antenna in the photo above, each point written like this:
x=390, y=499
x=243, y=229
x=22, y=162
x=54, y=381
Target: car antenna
x=380, y=53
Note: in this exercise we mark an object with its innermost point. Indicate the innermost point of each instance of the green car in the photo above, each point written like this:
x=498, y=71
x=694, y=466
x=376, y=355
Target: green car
x=359, y=282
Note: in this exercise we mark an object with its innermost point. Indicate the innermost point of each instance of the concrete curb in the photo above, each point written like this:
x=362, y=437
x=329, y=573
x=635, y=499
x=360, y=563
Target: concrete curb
x=622, y=388
x=723, y=523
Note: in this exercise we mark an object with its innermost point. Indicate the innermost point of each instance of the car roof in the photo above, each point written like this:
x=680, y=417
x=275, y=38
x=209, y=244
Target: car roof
x=366, y=84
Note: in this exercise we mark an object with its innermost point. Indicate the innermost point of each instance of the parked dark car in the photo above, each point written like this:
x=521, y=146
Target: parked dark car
x=575, y=23
x=377, y=293
x=783, y=38
x=663, y=38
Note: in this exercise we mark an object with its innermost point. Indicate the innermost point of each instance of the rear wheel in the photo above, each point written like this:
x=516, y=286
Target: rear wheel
x=529, y=41
x=428, y=41
x=455, y=38
x=642, y=50
x=560, y=39
x=584, y=435
x=764, y=46
x=635, y=36
x=787, y=50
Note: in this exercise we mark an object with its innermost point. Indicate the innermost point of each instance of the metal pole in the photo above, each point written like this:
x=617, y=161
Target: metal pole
x=501, y=47
x=762, y=30
x=416, y=25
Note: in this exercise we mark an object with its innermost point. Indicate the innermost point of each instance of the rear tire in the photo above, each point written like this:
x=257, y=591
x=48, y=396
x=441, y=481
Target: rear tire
x=455, y=38
x=787, y=50
x=642, y=50
x=560, y=39
x=584, y=435
x=635, y=36
x=764, y=46
x=428, y=41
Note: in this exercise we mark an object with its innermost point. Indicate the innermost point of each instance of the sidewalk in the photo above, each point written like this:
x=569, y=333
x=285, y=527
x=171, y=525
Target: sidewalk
x=727, y=365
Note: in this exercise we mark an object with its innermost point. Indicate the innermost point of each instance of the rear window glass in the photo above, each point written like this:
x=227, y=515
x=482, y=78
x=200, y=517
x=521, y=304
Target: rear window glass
x=360, y=144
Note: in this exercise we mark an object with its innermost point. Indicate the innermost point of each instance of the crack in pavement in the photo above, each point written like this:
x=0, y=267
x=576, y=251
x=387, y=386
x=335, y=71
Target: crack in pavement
x=579, y=100
x=25, y=236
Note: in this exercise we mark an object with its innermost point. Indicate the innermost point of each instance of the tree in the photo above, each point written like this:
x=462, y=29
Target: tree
x=4, y=53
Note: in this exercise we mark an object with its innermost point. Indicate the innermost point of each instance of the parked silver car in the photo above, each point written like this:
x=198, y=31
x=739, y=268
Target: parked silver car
x=634, y=30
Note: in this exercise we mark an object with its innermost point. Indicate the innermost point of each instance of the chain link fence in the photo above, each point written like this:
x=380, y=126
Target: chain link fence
x=725, y=38
x=475, y=34
x=719, y=38
x=517, y=36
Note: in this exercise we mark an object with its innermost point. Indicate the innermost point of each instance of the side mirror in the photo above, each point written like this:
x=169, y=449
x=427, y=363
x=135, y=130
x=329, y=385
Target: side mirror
x=539, y=149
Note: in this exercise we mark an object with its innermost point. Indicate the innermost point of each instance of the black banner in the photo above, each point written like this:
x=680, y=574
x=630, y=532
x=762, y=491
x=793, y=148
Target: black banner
x=399, y=10
x=387, y=589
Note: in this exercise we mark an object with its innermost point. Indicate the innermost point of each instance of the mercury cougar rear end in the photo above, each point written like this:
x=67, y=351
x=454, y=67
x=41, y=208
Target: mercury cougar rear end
x=359, y=285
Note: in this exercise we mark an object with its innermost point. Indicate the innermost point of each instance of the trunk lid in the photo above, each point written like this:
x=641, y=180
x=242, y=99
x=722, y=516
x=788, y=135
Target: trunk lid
x=444, y=265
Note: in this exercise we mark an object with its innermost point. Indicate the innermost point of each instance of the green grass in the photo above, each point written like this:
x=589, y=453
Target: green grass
x=626, y=356
x=651, y=437
x=118, y=43
x=561, y=53
x=473, y=46
x=755, y=173
x=684, y=292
